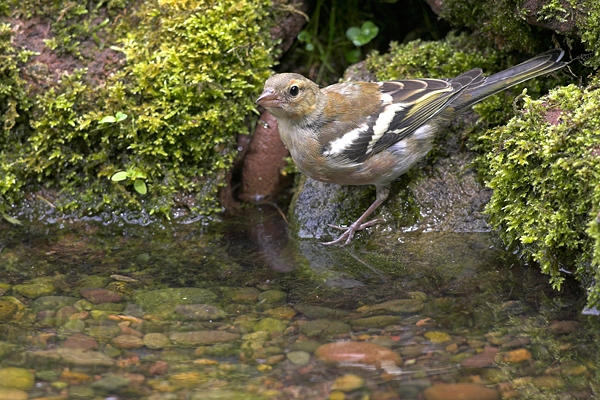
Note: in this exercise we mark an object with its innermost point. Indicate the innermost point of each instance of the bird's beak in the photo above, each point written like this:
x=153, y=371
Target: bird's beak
x=268, y=99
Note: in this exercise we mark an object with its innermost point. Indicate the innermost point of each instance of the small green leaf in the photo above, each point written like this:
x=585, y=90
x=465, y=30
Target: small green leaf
x=364, y=34
x=136, y=174
x=120, y=116
x=304, y=36
x=353, y=33
x=119, y=176
x=109, y=119
x=140, y=186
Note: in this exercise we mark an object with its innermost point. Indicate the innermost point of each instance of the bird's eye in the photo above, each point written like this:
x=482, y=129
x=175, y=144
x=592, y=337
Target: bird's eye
x=294, y=90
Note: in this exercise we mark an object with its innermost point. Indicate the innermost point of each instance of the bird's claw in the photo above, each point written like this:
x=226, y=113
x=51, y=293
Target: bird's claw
x=349, y=232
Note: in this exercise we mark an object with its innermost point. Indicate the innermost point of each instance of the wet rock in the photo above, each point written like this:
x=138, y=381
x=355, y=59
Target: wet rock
x=110, y=307
x=324, y=327
x=128, y=330
x=104, y=332
x=174, y=296
x=110, y=383
x=13, y=394
x=270, y=325
x=308, y=346
x=452, y=348
x=574, y=370
x=413, y=351
x=565, y=326
x=224, y=394
x=357, y=353
x=98, y=296
x=91, y=282
x=299, y=358
x=100, y=315
x=36, y=288
x=65, y=312
x=276, y=359
x=283, y=312
x=460, y=391
x=272, y=297
x=6, y=348
x=400, y=306
x=77, y=357
x=159, y=368
x=246, y=295
x=4, y=287
x=16, y=378
x=516, y=356
x=377, y=321
x=73, y=377
x=517, y=342
x=71, y=327
x=84, y=305
x=481, y=360
x=188, y=379
x=197, y=338
x=7, y=310
x=156, y=341
x=80, y=341
x=438, y=337
x=127, y=342
x=52, y=302
x=81, y=393
x=245, y=322
x=200, y=312
x=548, y=382
x=47, y=315
x=318, y=312
x=348, y=383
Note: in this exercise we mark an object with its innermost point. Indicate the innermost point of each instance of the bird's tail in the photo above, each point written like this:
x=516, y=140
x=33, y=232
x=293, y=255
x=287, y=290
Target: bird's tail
x=542, y=64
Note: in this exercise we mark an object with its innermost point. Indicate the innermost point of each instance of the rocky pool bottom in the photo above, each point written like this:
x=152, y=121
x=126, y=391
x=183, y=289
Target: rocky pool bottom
x=239, y=312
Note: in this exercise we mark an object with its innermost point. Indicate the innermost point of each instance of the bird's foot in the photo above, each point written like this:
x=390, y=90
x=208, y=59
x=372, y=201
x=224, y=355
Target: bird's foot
x=349, y=232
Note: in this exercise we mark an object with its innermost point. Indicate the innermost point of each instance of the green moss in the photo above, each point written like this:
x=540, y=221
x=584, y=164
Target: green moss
x=496, y=23
x=544, y=168
x=438, y=59
x=503, y=23
x=191, y=72
x=14, y=103
x=589, y=26
x=72, y=22
x=592, y=270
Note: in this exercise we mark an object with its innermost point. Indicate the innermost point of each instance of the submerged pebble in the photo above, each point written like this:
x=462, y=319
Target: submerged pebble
x=357, y=353
x=460, y=391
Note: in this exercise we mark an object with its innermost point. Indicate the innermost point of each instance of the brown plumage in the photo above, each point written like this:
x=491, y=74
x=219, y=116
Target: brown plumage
x=370, y=133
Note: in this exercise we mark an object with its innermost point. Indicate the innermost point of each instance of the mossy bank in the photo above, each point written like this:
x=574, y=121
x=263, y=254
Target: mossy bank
x=166, y=109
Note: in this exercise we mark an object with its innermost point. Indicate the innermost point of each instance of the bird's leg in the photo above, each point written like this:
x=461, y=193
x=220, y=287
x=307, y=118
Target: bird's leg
x=382, y=195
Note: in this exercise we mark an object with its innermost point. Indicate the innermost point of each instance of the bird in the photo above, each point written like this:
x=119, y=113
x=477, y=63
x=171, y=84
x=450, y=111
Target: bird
x=370, y=133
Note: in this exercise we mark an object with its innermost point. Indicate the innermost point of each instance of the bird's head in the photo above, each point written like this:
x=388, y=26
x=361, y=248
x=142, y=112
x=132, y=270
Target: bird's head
x=289, y=96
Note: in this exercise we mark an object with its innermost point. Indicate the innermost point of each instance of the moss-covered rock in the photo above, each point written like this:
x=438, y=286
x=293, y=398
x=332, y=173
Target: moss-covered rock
x=445, y=58
x=167, y=114
x=544, y=168
x=522, y=25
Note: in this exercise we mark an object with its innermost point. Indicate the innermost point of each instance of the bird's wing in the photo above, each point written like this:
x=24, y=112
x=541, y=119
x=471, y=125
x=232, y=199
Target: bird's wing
x=406, y=105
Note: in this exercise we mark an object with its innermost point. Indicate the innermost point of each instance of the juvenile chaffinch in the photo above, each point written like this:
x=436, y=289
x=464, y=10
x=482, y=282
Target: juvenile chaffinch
x=370, y=133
